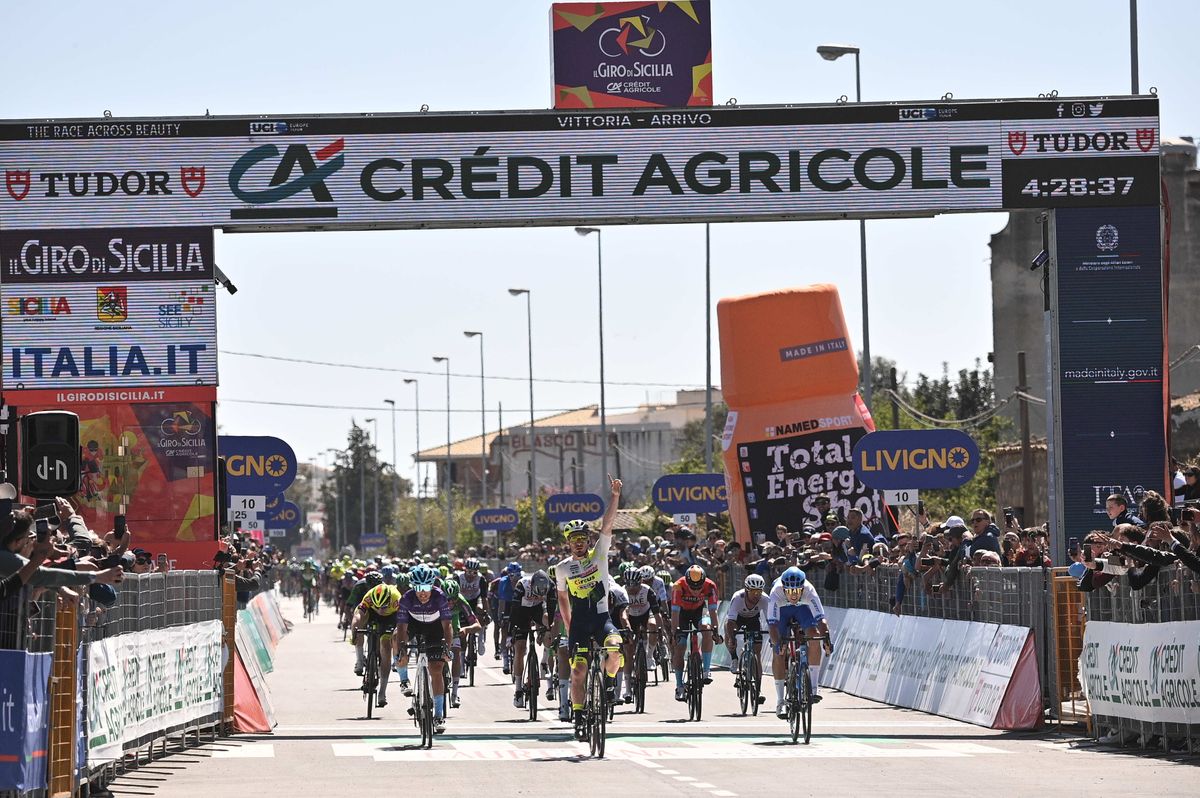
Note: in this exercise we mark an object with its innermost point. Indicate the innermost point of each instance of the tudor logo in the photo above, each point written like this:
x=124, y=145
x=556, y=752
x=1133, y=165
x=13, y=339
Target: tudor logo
x=192, y=179
x=1145, y=138
x=1017, y=141
x=17, y=182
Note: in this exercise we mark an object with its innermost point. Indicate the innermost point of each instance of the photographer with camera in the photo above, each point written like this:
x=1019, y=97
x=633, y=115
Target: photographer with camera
x=24, y=531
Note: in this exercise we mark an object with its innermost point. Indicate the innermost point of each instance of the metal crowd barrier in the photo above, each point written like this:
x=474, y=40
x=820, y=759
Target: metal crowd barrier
x=1173, y=596
x=146, y=602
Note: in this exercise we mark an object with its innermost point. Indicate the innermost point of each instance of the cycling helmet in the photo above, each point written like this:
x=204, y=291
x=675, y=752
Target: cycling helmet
x=792, y=578
x=695, y=574
x=422, y=577
x=512, y=568
x=388, y=572
x=647, y=572
x=664, y=575
x=755, y=582
x=451, y=588
x=472, y=564
x=381, y=597
x=575, y=527
x=458, y=565
x=622, y=568
x=443, y=571
x=374, y=578
x=550, y=571
x=539, y=584
x=633, y=576
x=443, y=559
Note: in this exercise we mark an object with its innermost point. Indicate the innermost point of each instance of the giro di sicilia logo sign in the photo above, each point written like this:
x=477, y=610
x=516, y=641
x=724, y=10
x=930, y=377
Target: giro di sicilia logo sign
x=623, y=55
x=915, y=459
x=566, y=167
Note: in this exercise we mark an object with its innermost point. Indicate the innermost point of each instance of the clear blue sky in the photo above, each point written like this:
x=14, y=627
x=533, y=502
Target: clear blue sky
x=397, y=298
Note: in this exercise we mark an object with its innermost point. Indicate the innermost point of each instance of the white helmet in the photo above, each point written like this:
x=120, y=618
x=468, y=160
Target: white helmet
x=755, y=582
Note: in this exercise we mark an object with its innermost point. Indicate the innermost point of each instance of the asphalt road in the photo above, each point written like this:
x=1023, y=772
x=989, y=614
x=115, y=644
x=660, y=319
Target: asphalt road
x=323, y=745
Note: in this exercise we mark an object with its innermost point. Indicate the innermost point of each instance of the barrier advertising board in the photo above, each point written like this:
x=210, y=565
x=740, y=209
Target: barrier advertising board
x=959, y=669
x=918, y=458
x=24, y=720
x=614, y=55
x=690, y=493
x=99, y=308
x=144, y=682
x=1145, y=671
x=752, y=163
x=563, y=507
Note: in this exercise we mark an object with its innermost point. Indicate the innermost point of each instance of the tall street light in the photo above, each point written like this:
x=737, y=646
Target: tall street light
x=832, y=52
x=375, y=468
x=586, y=231
x=449, y=483
x=340, y=518
x=533, y=510
x=395, y=468
x=417, y=484
x=483, y=458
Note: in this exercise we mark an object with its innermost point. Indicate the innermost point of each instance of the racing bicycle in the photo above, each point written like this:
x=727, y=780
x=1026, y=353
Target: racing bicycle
x=749, y=680
x=422, y=693
x=591, y=722
x=798, y=691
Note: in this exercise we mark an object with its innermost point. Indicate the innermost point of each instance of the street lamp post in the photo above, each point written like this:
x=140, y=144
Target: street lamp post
x=832, y=52
x=340, y=517
x=362, y=492
x=533, y=511
x=483, y=454
x=449, y=483
x=375, y=468
x=586, y=231
x=417, y=484
x=395, y=469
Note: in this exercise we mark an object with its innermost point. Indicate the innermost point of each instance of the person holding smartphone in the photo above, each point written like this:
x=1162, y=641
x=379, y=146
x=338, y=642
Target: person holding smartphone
x=19, y=543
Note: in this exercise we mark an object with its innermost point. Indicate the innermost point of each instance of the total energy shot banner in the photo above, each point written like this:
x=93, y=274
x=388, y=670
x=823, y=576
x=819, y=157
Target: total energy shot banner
x=790, y=378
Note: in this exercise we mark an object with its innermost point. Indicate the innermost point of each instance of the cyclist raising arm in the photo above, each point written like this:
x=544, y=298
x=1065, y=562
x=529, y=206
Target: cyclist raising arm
x=794, y=602
x=583, y=583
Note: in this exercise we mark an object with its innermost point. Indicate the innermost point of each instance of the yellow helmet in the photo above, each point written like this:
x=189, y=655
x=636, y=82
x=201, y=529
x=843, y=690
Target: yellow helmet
x=382, y=598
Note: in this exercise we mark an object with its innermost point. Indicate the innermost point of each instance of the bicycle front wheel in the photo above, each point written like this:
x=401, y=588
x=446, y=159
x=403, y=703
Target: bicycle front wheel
x=806, y=704
x=533, y=681
x=639, y=679
x=793, y=702
x=754, y=683
x=426, y=709
x=695, y=686
x=744, y=682
x=371, y=677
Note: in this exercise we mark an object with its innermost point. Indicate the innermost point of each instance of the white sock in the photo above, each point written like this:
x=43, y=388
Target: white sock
x=814, y=673
x=779, y=685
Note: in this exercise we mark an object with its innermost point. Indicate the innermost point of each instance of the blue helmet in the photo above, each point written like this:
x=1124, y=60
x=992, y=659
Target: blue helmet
x=422, y=577
x=512, y=568
x=793, y=577
x=389, y=574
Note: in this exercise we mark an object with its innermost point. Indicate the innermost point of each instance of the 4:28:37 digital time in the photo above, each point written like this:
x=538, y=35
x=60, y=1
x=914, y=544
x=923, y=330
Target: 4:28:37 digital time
x=1079, y=187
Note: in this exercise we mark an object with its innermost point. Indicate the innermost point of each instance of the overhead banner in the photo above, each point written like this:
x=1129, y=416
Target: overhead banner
x=1145, y=671
x=145, y=682
x=623, y=55
x=1108, y=370
x=105, y=308
x=570, y=167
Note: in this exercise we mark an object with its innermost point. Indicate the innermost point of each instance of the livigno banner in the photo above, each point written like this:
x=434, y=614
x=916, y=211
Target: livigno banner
x=623, y=55
x=144, y=682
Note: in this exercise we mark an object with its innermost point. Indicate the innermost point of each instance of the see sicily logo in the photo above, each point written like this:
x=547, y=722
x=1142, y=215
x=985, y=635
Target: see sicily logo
x=285, y=182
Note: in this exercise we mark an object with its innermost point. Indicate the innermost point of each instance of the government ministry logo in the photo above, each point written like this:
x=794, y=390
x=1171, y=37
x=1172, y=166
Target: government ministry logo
x=1106, y=238
x=112, y=304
